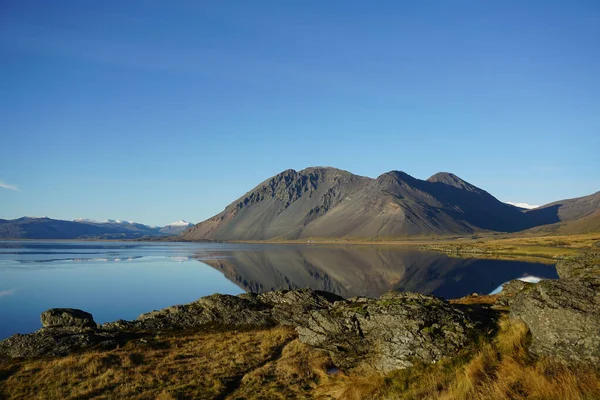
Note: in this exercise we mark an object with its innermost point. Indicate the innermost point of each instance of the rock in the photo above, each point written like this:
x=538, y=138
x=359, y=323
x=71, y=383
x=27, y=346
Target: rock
x=390, y=332
x=55, y=342
x=119, y=325
x=215, y=309
x=248, y=309
x=563, y=317
x=581, y=266
x=67, y=317
x=294, y=307
x=509, y=290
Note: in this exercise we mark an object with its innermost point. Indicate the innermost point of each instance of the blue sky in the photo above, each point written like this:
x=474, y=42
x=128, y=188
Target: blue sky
x=155, y=112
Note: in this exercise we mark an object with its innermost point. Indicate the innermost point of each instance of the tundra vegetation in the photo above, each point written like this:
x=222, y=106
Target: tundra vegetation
x=273, y=364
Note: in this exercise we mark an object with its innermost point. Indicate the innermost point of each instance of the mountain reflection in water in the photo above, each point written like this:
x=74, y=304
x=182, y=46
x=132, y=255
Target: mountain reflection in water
x=367, y=270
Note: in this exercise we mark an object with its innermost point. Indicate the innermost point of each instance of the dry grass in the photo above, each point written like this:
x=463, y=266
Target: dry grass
x=198, y=365
x=295, y=375
x=485, y=299
x=524, y=246
x=273, y=364
x=521, y=247
x=497, y=369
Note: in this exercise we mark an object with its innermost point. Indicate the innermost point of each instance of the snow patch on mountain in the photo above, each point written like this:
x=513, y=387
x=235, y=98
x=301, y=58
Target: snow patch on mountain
x=181, y=222
x=86, y=220
x=522, y=205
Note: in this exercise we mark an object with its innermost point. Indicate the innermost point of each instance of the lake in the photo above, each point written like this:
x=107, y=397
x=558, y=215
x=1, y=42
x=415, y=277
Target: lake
x=114, y=280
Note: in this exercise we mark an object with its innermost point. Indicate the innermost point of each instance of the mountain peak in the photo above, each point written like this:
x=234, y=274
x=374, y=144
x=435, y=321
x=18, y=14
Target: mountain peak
x=181, y=222
x=399, y=175
x=323, y=169
x=453, y=180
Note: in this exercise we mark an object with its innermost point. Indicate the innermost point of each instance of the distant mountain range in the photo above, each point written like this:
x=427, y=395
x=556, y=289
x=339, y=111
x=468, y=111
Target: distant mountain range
x=323, y=202
x=81, y=228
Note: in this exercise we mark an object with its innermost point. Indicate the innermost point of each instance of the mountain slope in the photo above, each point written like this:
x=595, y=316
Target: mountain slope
x=280, y=206
x=330, y=203
x=579, y=215
x=47, y=228
x=175, y=228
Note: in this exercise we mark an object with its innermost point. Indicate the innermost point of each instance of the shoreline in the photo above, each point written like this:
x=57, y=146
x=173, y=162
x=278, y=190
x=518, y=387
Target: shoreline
x=534, y=248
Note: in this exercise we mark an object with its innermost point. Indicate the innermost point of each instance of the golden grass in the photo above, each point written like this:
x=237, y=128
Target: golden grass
x=295, y=375
x=487, y=299
x=496, y=369
x=274, y=364
x=198, y=365
x=521, y=246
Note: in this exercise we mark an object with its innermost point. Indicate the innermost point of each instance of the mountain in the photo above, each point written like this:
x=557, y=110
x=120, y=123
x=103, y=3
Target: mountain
x=579, y=215
x=47, y=228
x=522, y=206
x=175, y=228
x=81, y=228
x=326, y=202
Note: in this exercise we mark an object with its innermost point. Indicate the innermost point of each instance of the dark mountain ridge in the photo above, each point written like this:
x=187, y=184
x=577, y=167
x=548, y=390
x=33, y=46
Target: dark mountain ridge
x=48, y=228
x=578, y=215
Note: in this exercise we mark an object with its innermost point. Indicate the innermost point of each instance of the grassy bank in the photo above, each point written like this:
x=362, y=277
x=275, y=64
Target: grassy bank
x=550, y=247
x=273, y=364
x=503, y=246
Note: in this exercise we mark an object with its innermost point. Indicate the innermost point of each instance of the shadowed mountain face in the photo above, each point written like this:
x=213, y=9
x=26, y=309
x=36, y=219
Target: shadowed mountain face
x=367, y=270
x=578, y=215
x=331, y=203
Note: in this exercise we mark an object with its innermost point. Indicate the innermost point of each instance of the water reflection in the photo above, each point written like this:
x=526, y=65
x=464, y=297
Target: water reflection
x=367, y=270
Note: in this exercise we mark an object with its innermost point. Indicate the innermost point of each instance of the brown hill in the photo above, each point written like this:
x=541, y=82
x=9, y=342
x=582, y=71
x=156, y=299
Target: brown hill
x=579, y=215
x=330, y=203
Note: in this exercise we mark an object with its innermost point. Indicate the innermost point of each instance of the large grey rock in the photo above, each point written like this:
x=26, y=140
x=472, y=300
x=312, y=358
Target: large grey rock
x=294, y=307
x=215, y=309
x=510, y=290
x=584, y=266
x=67, y=317
x=258, y=310
x=57, y=342
x=563, y=317
x=390, y=332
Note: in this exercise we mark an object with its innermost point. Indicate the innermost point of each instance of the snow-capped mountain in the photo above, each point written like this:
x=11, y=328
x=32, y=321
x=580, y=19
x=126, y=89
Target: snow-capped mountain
x=86, y=220
x=181, y=222
x=106, y=221
x=84, y=228
x=176, y=227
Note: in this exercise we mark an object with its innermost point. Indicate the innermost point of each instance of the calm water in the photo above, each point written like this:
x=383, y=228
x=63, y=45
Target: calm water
x=115, y=280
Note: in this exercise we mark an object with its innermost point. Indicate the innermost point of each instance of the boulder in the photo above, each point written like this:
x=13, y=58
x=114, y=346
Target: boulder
x=215, y=309
x=390, y=332
x=563, y=317
x=584, y=266
x=294, y=307
x=57, y=342
x=67, y=317
x=509, y=290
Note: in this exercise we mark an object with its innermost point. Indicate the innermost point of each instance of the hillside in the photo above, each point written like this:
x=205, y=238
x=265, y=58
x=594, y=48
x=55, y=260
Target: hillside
x=48, y=228
x=579, y=215
x=331, y=203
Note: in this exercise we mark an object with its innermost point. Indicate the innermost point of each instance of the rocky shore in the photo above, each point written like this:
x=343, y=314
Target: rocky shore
x=386, y=333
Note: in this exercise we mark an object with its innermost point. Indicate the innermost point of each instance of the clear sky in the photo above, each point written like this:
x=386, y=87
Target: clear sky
x=158, y=111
